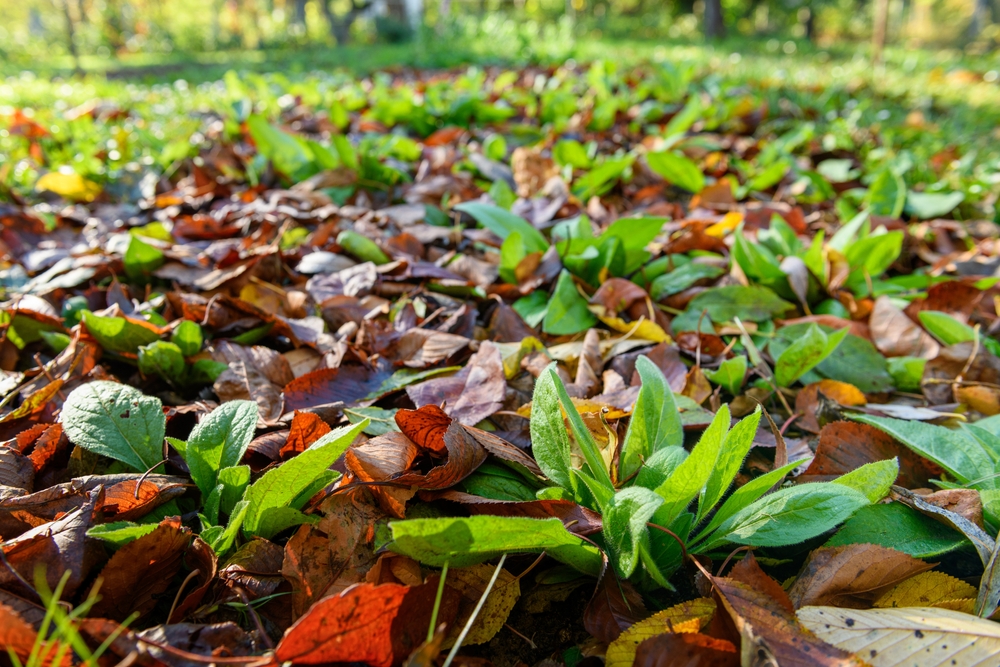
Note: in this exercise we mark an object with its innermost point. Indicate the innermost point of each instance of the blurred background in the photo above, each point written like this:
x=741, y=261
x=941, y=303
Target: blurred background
x=160, y=37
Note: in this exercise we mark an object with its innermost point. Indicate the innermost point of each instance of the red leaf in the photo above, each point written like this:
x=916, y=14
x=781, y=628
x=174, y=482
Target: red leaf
x=307, y=428
x=615, y=607
x=425, y=427
x=377, y=625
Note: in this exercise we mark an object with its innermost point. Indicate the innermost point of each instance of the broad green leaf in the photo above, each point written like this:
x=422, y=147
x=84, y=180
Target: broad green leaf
x=222, y=540
x=677, y=169
x=549, y=439
x=504, y=223
x=887, y=194
x=163, y=359
x=234, y=481
x=584, y=439
x=120, y=533
x=874, y=254
x=872, y=479
x=735, y=448
x=692, y=476
x=381, y=420
x=955, y=451
x=682, y=278
x=188, y=337
x=567, y=311
x=898, y=527
x=792, y=515
x=928, y=205
x=219, y=441
x=635, y=234
x=117, y=334
x=805, y=354
x=758, y=262
x=906, y=372
x=660, y=466
x=757, y=304
x=624, y=526
x=289, y=155
x=570, y=152
x=946, y=328
x=847, y=234
x=655, y=422
x=497, y=482
x=856, y=361
x=601, y=178
x=362, y=247
x=730, y=374
x=141, y=259
x=117, y=421
x=745, y=495
x=532, y=308
x=462, y=542
x=511, y=253
x=273, y=498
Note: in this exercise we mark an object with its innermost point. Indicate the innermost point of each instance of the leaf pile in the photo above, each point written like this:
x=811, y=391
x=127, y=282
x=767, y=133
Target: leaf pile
x=573, y=362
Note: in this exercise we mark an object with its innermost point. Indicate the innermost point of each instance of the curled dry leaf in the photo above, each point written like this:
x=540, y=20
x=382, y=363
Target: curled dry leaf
x=615, y=606
x=896, y=335
x=622, y=652
x=852, y=576
x=471, y=582
x=845, y=446
x=139, y=573
x=306, y=429
x=472, y=394
x=377, y=625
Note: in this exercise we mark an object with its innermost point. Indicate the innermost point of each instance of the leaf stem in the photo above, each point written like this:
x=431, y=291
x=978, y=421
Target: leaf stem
x=437, y=603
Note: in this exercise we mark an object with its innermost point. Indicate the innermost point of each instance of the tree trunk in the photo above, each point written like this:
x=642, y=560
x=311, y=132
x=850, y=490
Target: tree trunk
x=881, y=20
x=980, y=18
x=810, y=25
x=299, y=13
x=715, y=27
x=71, y=37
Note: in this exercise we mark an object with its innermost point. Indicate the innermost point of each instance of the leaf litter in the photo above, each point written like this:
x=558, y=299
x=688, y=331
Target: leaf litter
x=297, y=400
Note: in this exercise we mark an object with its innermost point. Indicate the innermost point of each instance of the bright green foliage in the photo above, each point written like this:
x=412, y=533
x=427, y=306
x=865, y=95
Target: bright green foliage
x=730, y=374
x=274, y=500
x=677, y=169
x=805, y=353
x=567, y=310
x=655, y=482
x=161, y=358
x=188, y=337
x=117, y=334
x=141, y=258
x=117, y=421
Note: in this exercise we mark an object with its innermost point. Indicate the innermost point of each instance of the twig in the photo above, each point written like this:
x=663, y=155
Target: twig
x=532, y=644
x=177, y=598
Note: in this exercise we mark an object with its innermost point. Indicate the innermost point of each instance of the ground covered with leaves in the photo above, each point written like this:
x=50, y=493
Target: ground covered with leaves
x=542, y=366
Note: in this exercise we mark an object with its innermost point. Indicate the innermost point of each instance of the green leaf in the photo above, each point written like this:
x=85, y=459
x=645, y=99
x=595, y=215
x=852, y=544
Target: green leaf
x=655, y=422
x=730, y=374
x=163, y=359
x=805, y=354
x=117, y=334
x=570, y=152
x=188, y=337
x=875, y=254
x=117, y=421
x=955, y=451
x=462, y=542
x=504, y=223
x=273, y=498
x=549, y=440
x=946, y=328
x=735, y=448
x=682, y=278
x=532, y=308
x=289, y=155
x=362, y=247
x=120, y=533
x=141, y=259
x=906, y=372
x=584, y=439
x=872, y=479
x=887, y=194
x=219, y=441
x=381, y=420
x=677, y=169
x=792, y=515
x=601, y=178
x=635, y=234
x=724, y=304
x=56, y=340
x=624, y=526
x=567, y=311
x=221, y=540
x=233, y=481
x=205, y=371
x=856, y=361
x=511, y=253
x=692, y=476
x=898, y=527
x=928, y=205
x=745, y=495
x=659, y=467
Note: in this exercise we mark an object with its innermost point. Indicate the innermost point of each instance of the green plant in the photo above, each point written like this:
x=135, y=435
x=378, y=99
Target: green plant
x=57, y=641
x=656, y=500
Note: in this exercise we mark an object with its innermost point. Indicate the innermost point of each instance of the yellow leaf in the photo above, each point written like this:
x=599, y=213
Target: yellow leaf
x=689, y=616
x=584, y=406
x=911, y=636
x=729, y=222
x=964, y=605
x=927, y=589
x=512, y=360
x=842, y=392
x=68, y=185
x=644, y=329
x=471, y=582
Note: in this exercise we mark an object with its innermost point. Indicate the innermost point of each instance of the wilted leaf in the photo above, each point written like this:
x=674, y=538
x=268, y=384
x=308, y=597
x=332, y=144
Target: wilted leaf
x=471, y=582
x=622, y=651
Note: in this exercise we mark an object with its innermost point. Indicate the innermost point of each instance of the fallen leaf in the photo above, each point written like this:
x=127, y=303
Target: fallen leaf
x=377, y=625
x=845, y=446
x=615, y=607
x=668, y=650
x=472, y=394
x=852, y=576
x=910, y=637
x=306, y=428
x=622, y=651
x=471, y=582
x=927, y=589
x=896, y=335
x=807, y=400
